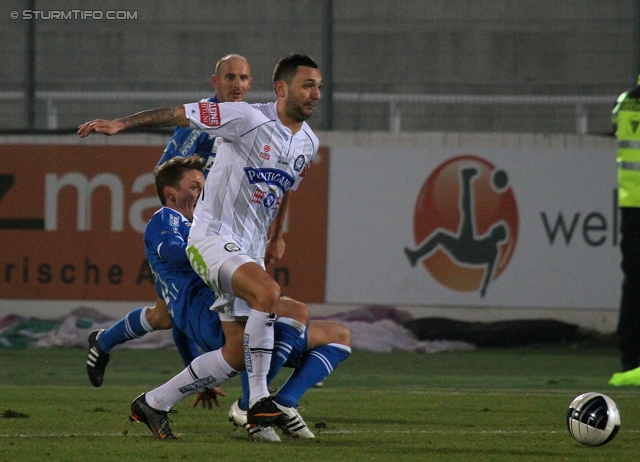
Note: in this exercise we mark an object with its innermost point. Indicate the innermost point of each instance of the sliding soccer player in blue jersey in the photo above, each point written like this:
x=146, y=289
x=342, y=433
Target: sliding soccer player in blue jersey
x=179, y=182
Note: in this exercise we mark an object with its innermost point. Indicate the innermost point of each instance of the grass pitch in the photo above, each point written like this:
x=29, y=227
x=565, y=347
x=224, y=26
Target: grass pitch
x=488, y=405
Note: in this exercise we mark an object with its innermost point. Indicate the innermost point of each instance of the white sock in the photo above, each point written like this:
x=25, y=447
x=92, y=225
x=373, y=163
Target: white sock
x=206, y=371
x=258, y=347
x=143, y=320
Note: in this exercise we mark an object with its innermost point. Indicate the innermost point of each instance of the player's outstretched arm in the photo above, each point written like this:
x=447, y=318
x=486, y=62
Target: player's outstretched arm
x=165, y=117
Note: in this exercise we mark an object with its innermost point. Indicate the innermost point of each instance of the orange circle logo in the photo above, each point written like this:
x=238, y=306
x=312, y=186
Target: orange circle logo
x=465, y=224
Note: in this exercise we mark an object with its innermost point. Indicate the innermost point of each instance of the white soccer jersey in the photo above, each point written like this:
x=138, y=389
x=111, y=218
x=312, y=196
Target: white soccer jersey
x=258, y=161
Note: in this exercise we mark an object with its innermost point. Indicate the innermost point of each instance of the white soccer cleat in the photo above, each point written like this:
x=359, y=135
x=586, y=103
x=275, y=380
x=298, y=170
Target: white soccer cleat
x=239, y=418
x=295, y=427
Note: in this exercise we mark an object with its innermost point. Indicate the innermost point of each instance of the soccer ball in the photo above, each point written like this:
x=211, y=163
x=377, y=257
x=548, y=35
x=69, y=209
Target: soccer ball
x=593, y=419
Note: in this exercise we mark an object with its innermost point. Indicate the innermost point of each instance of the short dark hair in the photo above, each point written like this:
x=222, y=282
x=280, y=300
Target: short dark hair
x=287, y=67
x=170, y=173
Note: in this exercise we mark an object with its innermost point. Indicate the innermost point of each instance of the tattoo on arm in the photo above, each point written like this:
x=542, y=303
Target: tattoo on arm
x=164, y=117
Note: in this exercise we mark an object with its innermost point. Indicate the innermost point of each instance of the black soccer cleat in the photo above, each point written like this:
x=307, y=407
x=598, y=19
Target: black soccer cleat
x=265, y=413
x=157, y=421
x=96, y=360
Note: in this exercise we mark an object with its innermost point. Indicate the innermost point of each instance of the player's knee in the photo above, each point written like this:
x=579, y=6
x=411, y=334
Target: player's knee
x=158, y=318
x=294, y=309
x=302, y=313
x=342, y=335
x=266, y=297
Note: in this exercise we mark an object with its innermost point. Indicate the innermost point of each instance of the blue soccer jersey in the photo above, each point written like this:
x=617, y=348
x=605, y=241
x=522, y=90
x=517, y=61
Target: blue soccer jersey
x=186, y=141
x=188, y=297
x=185, y=293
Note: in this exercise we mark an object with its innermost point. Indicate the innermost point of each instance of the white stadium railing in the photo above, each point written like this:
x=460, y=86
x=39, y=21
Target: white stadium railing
x=395, y=116
x=394, y=100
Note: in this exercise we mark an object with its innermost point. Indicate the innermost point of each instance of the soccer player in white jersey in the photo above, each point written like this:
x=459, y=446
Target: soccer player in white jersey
x=239, y=218
x=179, y=183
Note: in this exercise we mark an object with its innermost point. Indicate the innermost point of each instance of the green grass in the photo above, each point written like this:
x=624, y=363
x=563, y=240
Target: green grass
x=488, y=405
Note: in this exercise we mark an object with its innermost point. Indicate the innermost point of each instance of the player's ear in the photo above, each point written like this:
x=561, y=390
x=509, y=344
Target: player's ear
x=281, y=88
x=169, y=193
x=214, y=81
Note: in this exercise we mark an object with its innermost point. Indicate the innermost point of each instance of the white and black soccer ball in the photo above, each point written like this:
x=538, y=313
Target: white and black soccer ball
x=593, y=419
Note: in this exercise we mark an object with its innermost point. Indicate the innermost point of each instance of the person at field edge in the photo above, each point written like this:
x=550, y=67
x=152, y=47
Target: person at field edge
x=626, y=121
x=238, y=221
x=325, y=344
x=231, y=81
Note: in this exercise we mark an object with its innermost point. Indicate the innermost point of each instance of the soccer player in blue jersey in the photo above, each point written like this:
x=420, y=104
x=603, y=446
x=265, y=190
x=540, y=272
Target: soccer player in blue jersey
x=179, y=182
x=231, y=81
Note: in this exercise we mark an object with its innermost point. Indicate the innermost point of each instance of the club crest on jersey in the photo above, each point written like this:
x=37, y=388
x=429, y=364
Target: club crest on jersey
x=231, y=247
x=299, y=163
x=270, y=176
x=268, y=199
x=209, y=114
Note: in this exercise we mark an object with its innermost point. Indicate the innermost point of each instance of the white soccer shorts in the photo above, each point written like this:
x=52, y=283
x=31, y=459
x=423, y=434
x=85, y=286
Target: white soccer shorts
x=215, y=258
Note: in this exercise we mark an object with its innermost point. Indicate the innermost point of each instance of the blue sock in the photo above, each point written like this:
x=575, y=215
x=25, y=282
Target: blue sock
x=316, y=365
x=133, y=325
x=287, y=333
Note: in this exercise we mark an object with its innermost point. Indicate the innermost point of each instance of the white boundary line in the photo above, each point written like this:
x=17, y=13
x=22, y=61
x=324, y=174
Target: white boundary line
x=563, y=432
x=625, y=392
